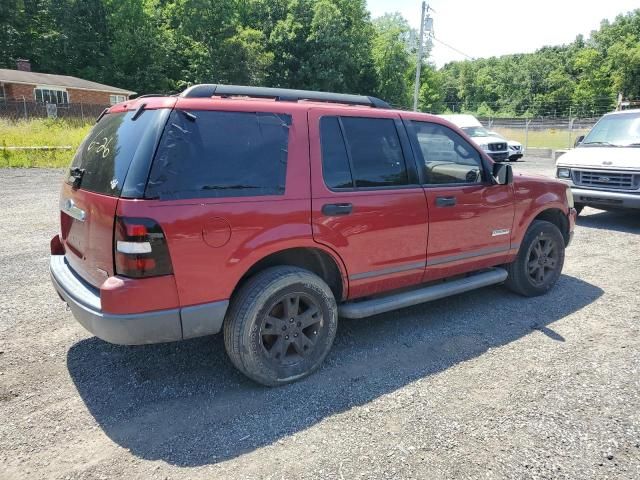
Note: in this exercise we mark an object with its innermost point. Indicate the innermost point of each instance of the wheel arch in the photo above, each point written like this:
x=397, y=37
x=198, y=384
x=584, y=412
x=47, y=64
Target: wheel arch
x=558, y=218
x=314, y=259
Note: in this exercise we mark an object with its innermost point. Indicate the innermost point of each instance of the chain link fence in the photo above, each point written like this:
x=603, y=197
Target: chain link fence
x=541, y=132
x=537, y=132
x=22, y=110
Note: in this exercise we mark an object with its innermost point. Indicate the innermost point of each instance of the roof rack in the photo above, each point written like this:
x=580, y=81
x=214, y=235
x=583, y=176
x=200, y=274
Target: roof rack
x=280, y=94
x=149, y=95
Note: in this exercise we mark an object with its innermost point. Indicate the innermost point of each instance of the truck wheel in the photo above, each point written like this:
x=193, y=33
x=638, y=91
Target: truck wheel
x=280, y=325
x=539, y=262
x=579, y=207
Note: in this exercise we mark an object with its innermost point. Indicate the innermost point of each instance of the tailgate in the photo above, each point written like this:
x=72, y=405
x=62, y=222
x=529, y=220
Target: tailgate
x=112, y=161
x=86, y=226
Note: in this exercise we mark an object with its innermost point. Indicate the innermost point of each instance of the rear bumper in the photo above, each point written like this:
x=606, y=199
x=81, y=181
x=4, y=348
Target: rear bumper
x=604, y=199
x=136, y=328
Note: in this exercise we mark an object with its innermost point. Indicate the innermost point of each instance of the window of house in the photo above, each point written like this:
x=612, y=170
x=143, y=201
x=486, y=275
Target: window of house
x=51, y=95
x=113, y=99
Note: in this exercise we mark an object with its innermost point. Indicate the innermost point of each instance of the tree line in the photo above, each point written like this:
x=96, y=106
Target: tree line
x=582, y=78
x=163, y=46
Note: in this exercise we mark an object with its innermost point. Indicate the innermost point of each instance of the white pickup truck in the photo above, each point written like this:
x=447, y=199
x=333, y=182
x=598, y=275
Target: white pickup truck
x=604, y=168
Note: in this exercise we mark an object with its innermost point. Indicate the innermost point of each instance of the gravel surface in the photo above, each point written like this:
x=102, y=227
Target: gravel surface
x=485, y=384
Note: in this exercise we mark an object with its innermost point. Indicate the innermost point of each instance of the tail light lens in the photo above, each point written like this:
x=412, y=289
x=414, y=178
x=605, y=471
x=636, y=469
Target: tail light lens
x=140, y=248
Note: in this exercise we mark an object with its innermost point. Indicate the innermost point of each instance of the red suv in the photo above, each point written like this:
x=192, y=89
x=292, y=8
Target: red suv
x=266, y=213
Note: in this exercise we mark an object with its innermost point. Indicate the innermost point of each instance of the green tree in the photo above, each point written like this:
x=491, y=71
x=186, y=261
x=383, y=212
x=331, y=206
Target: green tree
x=431, y=99
x=138, y=47
x=248, y=61
x=391, y=59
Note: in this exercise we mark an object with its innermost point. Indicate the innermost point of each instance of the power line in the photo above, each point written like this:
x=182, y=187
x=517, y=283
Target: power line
x=452, y=48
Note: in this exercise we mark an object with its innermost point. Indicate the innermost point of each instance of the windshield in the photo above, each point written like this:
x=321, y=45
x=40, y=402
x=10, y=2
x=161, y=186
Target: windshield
x=476, y=131
x=619, y=130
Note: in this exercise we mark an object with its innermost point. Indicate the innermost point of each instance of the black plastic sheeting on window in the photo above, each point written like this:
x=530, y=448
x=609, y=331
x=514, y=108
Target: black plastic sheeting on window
x=205, y=154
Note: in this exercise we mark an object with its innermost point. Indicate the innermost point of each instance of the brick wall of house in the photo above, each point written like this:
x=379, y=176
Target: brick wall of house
x=16, y=91
x=88, y=96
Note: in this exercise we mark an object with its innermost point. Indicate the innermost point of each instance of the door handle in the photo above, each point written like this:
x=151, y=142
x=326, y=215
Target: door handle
x=333, y=209
x=445, y=201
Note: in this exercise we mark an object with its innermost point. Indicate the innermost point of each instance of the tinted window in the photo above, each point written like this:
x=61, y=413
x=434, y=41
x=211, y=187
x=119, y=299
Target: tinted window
x=106, y=153
x=446, y=156
x=221, y=154
x=335, y=163
x=375, y=151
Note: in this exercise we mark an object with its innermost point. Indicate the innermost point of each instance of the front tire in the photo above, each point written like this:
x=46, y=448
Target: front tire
x=539, y=262
x=281, y=325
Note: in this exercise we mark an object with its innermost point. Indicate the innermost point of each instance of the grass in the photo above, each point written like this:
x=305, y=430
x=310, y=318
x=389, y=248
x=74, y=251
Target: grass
x=39, y=133
x=548, y=138
x=45, y=132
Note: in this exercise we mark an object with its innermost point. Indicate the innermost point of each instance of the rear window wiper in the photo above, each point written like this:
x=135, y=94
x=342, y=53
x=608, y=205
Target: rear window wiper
x=75, y=176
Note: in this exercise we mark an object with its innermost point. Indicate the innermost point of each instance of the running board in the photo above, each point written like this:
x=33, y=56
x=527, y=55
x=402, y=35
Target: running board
x=367, y=308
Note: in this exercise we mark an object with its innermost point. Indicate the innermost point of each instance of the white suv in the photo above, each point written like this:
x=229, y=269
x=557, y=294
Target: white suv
x=604, y=168
x=493, y=145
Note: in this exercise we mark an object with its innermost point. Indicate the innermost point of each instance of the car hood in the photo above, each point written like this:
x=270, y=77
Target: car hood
x=513, y=143
x=525, y=181
x=488, y=139
x=624, y=158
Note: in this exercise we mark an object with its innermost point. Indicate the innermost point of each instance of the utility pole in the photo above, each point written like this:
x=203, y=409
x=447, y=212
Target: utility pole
x=416, y=89
x=426, y=23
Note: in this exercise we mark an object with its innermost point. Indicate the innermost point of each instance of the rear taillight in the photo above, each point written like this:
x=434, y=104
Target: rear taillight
x=140, y=248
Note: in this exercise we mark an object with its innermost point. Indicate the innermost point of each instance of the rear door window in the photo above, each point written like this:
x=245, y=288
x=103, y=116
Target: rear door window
x=106, y=153
x=335, y=162
x=376, y=153
x=359, y=152
x=221, y=154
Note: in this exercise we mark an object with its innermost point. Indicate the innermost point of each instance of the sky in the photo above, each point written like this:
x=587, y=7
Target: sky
x=499, y=27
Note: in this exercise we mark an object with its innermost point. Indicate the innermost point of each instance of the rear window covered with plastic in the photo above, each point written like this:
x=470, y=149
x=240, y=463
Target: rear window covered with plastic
x=106, y=153
x=204, y=154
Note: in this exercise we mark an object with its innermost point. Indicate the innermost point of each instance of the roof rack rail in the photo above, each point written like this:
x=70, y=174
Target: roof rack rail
x=148, y=95
x=280, y=94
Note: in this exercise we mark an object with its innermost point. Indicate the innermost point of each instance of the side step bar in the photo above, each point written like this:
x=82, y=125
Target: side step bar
x=367, y=308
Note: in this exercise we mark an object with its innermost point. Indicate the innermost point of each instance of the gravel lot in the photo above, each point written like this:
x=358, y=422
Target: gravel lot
x=486, y=384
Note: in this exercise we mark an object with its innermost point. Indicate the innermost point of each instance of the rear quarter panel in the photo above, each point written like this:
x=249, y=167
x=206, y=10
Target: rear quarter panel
x=213, y=242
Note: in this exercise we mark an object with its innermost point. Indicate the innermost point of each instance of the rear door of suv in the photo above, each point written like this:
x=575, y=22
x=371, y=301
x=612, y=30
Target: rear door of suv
x=367, y=204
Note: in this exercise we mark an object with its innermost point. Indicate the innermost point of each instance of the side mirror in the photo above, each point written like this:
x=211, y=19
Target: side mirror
x=502, y=173
x=578, y=141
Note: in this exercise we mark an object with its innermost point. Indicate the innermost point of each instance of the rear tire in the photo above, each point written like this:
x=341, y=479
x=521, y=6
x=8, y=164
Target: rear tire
x=281, y=325
x=539, y=262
